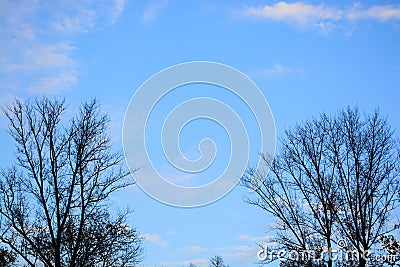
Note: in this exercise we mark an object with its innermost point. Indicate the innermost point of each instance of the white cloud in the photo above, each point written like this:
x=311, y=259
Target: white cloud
x=175, y=176
x=245, y=252
x=196, y=249
x=155, y=239
x=195, y=261
x=45, y=67
x=256, y=239
x=299, y=12
x=379, y=13
x=37, y=56
x=152, y=11
x=37, y=38
x=193, y=249
x=82, y=21
x=48, y=56
x=117, y=10
x=239, y=254
x=277, y=71
x=321, y=16
x=83, y=16
x=53, y=83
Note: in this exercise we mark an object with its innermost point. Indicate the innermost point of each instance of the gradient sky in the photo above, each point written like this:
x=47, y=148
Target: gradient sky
x=307, y=57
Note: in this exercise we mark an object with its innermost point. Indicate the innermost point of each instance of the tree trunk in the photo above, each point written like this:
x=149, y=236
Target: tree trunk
x=362, y=262
x=330, y=263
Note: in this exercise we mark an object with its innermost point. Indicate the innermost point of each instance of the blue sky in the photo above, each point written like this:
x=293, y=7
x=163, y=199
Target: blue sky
x=306, y=57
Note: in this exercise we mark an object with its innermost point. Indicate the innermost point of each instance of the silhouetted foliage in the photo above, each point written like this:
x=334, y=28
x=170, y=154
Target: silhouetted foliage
x=7, y=258
x=54, y=200
x=217, y=261
x=391, y=250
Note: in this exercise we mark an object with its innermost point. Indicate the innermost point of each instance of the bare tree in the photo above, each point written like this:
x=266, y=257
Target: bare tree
x=366, y=160
x=54, y=200
x=217, y=261
x=299, y=191
x=334, y=178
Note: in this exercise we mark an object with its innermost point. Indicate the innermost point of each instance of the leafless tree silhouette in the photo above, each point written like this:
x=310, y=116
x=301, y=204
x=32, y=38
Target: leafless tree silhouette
x=334, y=178
x=54, y=200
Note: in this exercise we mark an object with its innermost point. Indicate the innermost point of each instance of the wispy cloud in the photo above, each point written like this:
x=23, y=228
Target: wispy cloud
x=155, y=239
x=152, y=11
x=379, y=13
x=117, y=10
x=195, y=261
x=53, y=84
x=193, y=249
x=44, y=67
x=321, y=16
x=38, y=41
x=277, y=71
x=243, y=252
x=239, y=254
x=257, y=239
x=298, y=12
